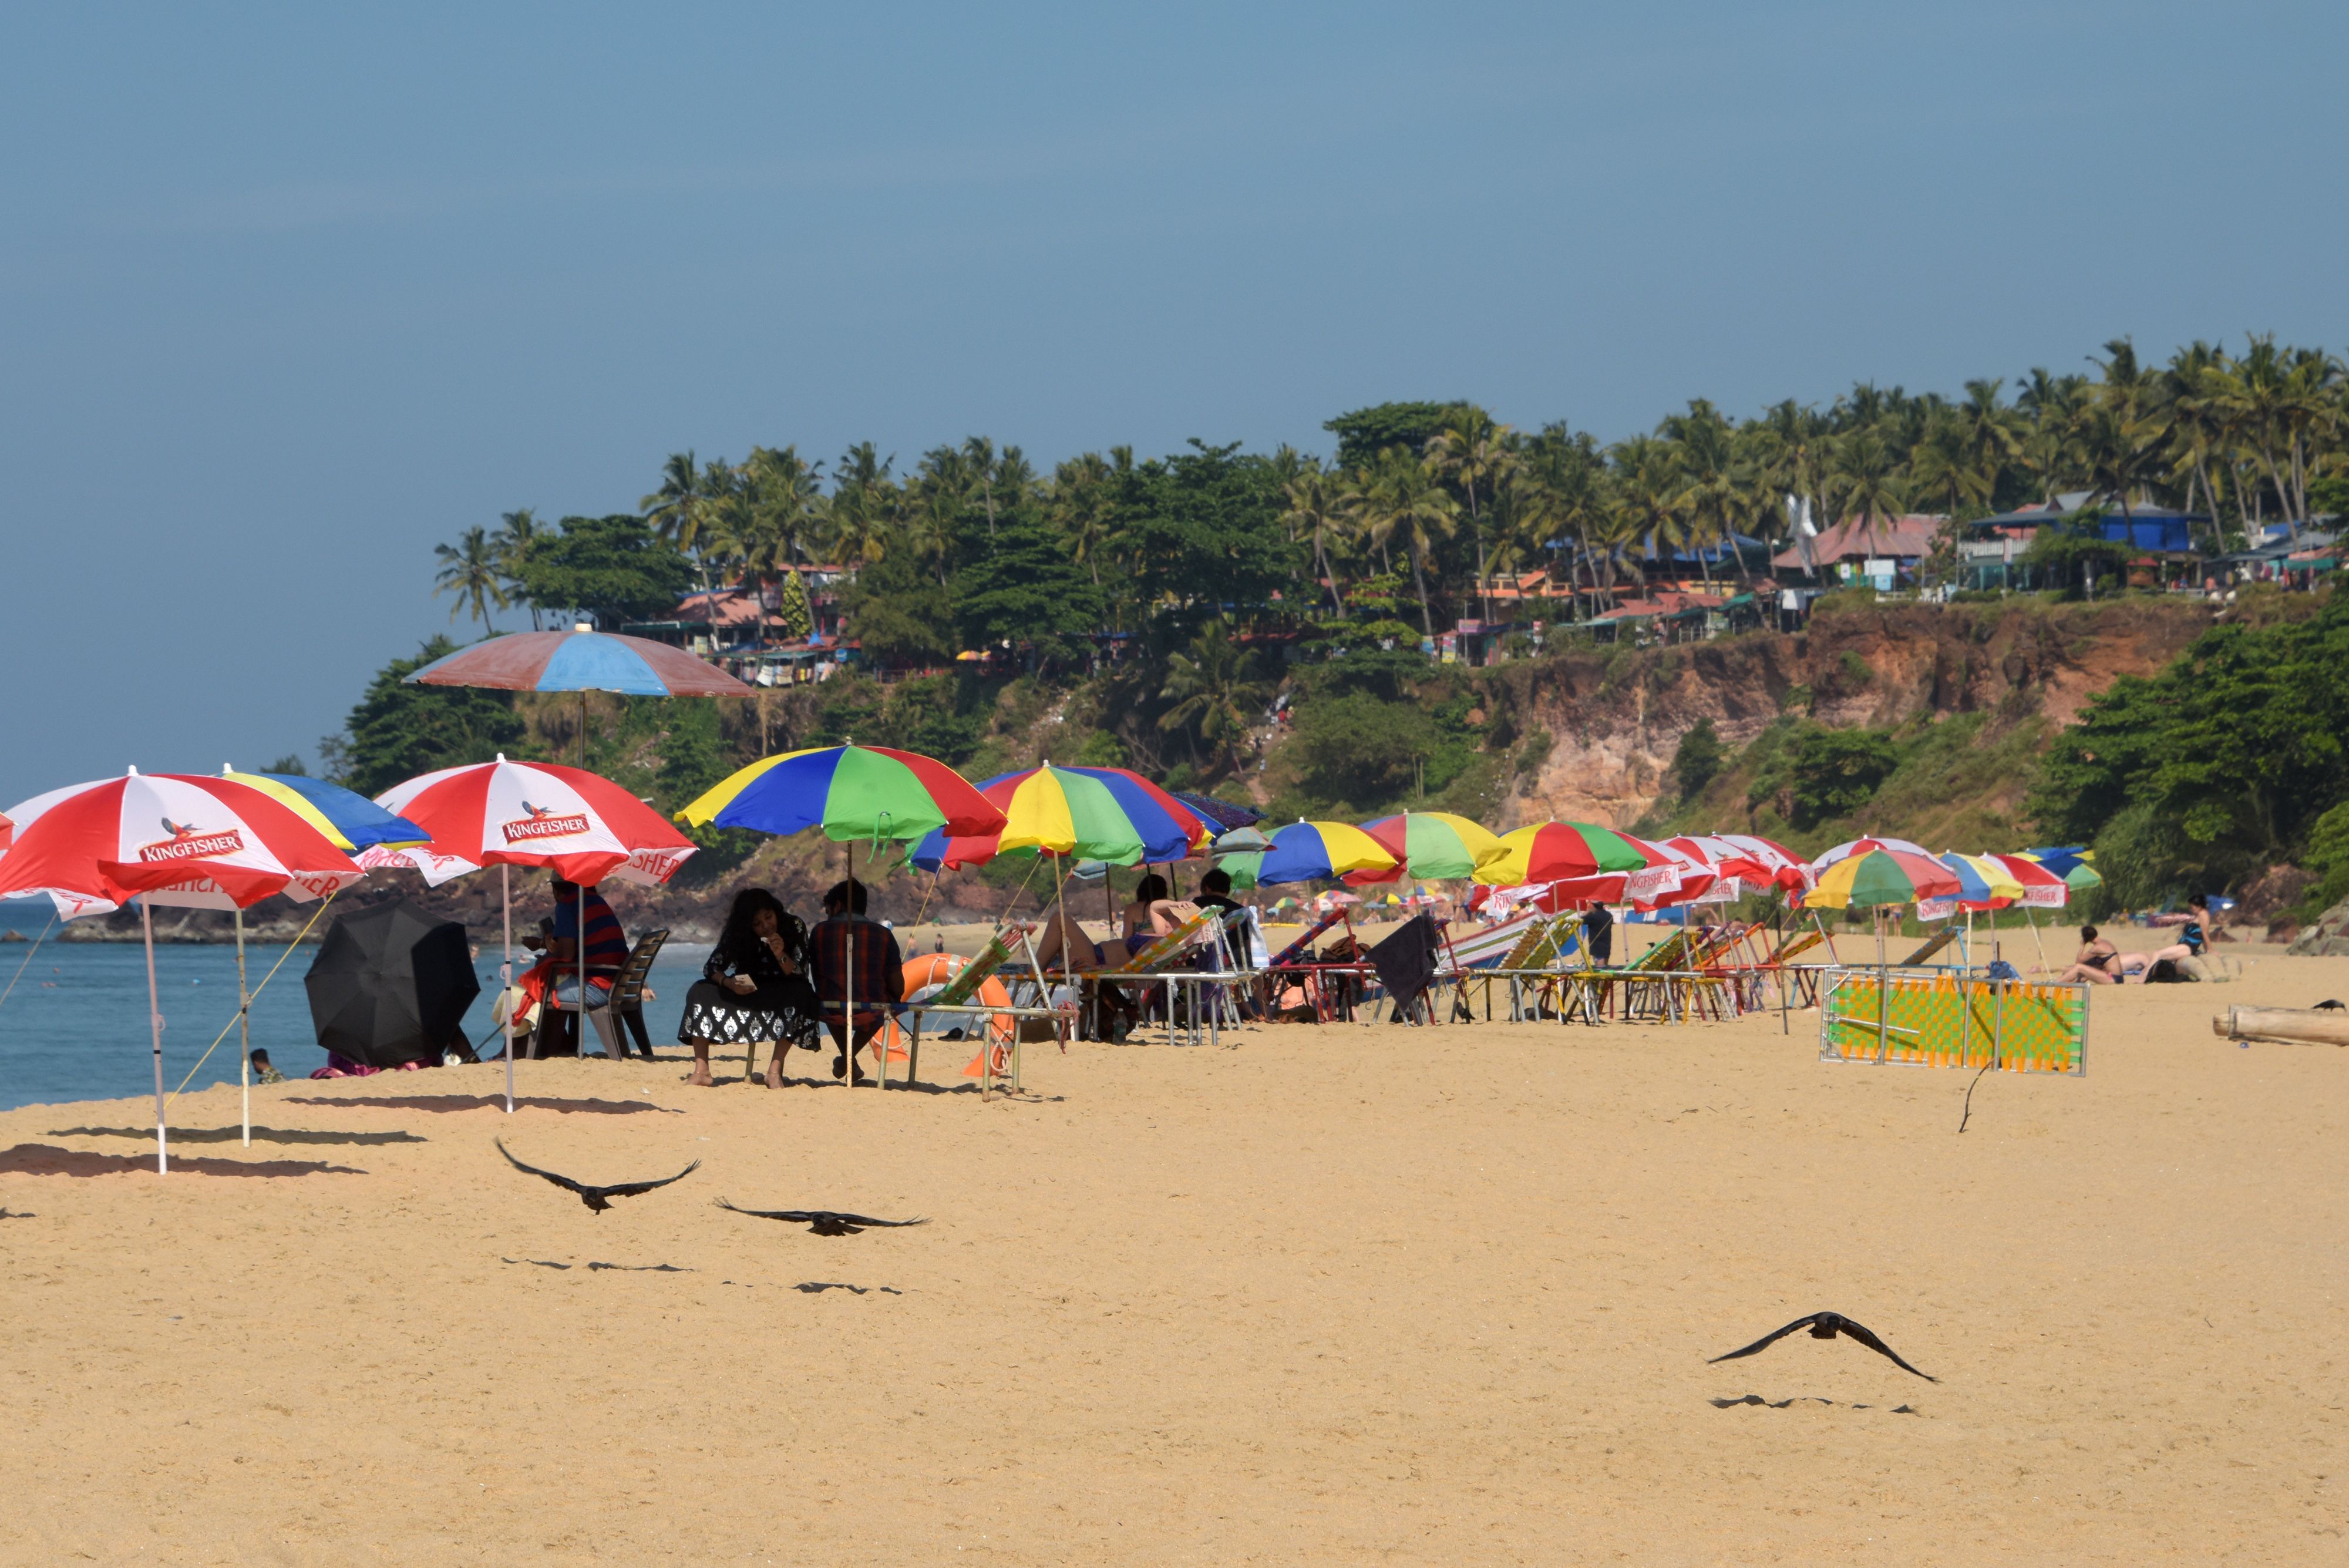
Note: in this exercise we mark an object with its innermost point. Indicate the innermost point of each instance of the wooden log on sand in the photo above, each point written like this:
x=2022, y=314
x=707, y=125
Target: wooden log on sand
x=2295, y=1025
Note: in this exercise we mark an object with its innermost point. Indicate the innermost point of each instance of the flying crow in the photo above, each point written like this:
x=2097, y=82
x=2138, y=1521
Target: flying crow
x=1826, y=1325
x=819, y=1221
x=596, y=1198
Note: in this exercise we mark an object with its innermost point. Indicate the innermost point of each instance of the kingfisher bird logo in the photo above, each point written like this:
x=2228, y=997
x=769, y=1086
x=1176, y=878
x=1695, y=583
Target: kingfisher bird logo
x=541, y=822
x=185, y=843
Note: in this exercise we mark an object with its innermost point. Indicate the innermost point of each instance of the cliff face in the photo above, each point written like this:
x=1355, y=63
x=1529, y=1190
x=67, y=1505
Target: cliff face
x=1616, y=717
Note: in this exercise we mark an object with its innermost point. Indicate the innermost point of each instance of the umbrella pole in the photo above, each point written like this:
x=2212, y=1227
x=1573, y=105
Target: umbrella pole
x=2032, y=915
x=848, y=1019
x=579, y=902
x=154, y=1028
x=505, y=974
x=243, y=1031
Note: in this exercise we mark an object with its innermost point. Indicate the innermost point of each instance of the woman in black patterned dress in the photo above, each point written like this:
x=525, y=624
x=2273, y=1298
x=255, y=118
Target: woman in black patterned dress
x=754, y=986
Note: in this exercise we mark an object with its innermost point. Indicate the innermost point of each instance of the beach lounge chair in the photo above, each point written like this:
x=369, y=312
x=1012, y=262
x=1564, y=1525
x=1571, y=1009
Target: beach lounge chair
x=1941, y=939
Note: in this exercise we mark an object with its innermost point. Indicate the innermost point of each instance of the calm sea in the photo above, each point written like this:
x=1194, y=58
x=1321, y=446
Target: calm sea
x=75, y=1027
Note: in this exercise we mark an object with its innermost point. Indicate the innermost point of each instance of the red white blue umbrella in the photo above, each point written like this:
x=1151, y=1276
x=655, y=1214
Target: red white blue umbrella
x=580, y=660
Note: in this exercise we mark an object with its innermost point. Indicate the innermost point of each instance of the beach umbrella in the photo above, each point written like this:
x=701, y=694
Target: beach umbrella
x=1222, y=813
x=1749, y=858
x=347, y=820
x=1102, y=814
x=1321, y=851
x=1435, y=843
x=182, y=840
x=391, y=986
x=582, y=826
x=851, y=793
x=1870, y=873
x=1242, y=868
x=2064, y=858
x=2042, y=889
x=1982, y=882
x=1561, y=851
x=1241, y=841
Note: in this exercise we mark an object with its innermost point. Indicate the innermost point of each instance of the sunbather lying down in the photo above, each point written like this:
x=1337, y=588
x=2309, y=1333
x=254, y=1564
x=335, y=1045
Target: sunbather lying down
x=1061, y=943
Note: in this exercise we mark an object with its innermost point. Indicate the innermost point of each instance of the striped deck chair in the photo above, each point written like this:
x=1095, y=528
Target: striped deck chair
x=1502, y=946
x=1641, y=995
x=1949, y=933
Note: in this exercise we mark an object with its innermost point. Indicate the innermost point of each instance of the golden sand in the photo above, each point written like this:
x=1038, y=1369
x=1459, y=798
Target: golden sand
x=1334, y=1294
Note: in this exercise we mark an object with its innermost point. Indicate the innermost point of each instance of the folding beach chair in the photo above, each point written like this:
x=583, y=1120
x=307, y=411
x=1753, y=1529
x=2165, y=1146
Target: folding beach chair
x=1483, y=955
x=1947, y=934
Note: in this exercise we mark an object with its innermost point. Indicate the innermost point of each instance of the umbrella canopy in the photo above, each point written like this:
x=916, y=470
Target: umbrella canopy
x=189, y=840
x=1868, y=872
x=854, y=793
x=1321, y=851
x=1982, y=882
x=1437, y=843
x=390, y=985
x=1862, y=845
x=1240, y=841
x=1559, y=851
x=2064, y=858
x=1242, y=868
x=2042, y=889
x=1223, y=814
x=1102, y=814
x=1749, y=858
x=582, y=826
x=581, y=659
x=348, y=820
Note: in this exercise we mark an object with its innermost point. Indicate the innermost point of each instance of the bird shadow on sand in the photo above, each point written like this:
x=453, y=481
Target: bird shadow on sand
x=1800, y=1399
x=443, y=1103
x=48, y=1159
x=605, y=1268
x=232, y=1135
x=19, y=1214
x=817, y=1288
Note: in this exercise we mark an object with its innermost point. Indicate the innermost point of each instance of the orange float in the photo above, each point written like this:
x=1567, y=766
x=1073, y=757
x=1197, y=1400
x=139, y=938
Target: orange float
x=925, y=976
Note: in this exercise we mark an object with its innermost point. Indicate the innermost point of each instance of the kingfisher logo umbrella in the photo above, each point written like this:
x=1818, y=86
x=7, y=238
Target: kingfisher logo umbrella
x=183, y=840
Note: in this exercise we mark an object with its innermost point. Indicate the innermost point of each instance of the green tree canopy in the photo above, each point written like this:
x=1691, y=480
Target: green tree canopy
x=616, y=568
x=1366, y=432
x=398, y=731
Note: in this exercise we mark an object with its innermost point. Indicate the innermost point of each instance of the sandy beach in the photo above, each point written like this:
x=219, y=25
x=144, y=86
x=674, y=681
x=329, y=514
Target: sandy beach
x=1330, y=1295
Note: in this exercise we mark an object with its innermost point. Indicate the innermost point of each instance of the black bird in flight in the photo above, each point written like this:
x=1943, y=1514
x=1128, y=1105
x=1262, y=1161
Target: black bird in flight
x=819, y=1221
x=1826, y=1325
x=598, y=1199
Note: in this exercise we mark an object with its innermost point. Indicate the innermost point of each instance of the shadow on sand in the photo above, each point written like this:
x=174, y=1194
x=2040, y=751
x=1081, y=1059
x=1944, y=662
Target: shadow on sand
x=441, y=1103
x=232, y=1135
x=48, y=1159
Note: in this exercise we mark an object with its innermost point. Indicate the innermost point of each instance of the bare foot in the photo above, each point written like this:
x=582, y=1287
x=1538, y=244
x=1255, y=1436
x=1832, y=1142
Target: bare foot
x=700, y=1079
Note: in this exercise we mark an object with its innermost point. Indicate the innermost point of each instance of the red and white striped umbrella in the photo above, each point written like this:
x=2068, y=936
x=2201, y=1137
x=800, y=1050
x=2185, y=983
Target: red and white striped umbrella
x=583, y=827
x=190, y=840
x=1749, y=858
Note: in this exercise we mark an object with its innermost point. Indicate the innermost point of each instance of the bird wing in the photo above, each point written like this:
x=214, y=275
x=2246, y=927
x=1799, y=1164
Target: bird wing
x=632, y=1189
x=1767, y=1340
x=1866, y=1337
x=861, y=1220
x=564, y=1182
x=795, y=1216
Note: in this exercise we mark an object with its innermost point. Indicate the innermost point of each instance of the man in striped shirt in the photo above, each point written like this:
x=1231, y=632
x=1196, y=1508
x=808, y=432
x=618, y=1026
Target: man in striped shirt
x=848, y=948
x=607, y=950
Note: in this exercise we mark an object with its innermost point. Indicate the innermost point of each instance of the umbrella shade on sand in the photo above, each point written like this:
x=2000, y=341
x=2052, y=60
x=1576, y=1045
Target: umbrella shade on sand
x=391, y=986
x=182, y=840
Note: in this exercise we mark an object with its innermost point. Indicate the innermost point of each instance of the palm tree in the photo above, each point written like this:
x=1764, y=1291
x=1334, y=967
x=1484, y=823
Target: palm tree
x=513, y=542
x=862, y=515
x=1651, y=495
x=1316, y=511
x=1471, y=451
x=1864, y=478
x=1214, y=692
x=1566, y=465
x=978, y=458
x=472, y=569
x=1080, y=505
x=681, y=511
x=1400, y=499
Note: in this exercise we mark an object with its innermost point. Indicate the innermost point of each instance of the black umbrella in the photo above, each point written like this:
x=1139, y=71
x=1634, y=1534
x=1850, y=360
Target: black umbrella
x=390, y=985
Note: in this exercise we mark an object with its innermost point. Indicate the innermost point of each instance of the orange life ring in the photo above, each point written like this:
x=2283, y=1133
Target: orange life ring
x=926, y=974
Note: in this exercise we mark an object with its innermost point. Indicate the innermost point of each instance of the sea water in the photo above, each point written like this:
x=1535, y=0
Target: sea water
x=75, y=1027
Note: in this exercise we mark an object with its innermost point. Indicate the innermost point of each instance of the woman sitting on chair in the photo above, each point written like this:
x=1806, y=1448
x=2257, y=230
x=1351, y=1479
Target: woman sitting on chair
x=754, y=988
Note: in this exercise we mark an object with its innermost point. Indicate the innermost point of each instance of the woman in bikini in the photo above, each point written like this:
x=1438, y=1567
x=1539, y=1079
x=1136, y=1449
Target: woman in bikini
x=2099, y=961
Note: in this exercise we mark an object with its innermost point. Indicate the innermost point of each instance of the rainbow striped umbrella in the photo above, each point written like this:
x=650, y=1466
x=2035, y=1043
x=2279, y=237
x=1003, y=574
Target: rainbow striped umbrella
x=1435, y=843
x=868, y=793
x=1868, y=872
x=1560, y=852
x=1102, y=814
x=1982, y=882
x=2062, y=859
x=348, y=820
x=1242, y=866
x=1321, y=851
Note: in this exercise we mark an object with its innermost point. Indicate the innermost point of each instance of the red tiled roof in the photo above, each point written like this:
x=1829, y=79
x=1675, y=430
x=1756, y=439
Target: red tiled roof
x=1903, y=537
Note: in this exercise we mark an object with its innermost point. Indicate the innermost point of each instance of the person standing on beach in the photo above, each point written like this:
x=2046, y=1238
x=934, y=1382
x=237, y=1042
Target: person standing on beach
x=855, y=956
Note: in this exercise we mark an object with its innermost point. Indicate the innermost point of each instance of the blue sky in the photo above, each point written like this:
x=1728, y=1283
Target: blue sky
x=288, y=295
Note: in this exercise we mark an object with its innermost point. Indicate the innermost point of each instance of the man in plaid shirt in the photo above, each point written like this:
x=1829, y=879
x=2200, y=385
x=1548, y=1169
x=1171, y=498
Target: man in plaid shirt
x=848, y=947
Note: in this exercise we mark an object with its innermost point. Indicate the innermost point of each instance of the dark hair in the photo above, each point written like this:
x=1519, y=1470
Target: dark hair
x=260, y=1053
x=1150, y=888
x=1215, y=881
x=2199, y=901
x=737, y=941
x=564, y=885
x=2087, y=933
x=848, y=895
